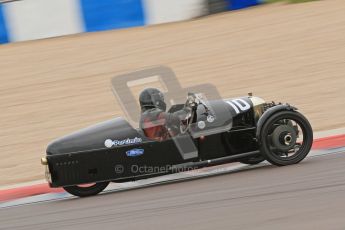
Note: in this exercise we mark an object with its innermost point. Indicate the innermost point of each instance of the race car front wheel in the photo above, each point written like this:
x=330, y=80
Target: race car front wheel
x=86, y=190
x=286, y=138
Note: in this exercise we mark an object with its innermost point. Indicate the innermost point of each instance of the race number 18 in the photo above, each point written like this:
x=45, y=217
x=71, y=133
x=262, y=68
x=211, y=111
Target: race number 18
x=239, y=105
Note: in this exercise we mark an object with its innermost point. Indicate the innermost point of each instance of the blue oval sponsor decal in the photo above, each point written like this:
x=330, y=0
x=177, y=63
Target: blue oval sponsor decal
x=135, y=152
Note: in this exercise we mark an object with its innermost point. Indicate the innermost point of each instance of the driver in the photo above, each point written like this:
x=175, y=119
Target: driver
x=156, y=123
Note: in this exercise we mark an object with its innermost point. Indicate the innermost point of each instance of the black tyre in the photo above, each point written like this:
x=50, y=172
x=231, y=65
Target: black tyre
x=286, y=138
x=83, y=191
x=252, y=160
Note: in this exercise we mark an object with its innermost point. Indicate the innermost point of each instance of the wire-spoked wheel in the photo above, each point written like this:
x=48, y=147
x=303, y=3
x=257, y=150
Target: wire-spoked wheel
x=86, y=190
x=286, y=138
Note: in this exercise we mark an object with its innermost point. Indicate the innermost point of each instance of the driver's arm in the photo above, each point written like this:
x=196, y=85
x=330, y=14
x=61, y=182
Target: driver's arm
x=183, y=113
x=173, y=120
x=189, y=107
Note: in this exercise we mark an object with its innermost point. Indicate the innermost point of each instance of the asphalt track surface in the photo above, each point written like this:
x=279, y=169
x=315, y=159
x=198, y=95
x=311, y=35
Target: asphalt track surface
x=309, y=195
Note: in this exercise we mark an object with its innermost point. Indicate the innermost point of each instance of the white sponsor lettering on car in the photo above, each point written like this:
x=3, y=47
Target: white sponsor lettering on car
x=110, y=143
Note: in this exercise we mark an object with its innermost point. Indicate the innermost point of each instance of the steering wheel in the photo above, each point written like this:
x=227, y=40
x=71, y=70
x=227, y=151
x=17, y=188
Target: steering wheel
x=190, y=103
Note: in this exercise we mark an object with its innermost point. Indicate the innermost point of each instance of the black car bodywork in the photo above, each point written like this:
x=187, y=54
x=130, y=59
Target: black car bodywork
x=222, y=131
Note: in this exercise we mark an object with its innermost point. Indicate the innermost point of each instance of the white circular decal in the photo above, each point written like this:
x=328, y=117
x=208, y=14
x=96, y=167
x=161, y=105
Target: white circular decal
x=108, y=143
x=201, y=124
x=210, y=118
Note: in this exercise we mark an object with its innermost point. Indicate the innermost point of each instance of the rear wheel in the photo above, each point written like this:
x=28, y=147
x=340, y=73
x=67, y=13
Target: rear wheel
x=86, y=190
x=286, y=138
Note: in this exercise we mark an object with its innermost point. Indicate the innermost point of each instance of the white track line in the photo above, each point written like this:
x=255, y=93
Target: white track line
x=329, y=133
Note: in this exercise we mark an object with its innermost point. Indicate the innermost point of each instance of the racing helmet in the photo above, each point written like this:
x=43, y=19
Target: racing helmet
x=152, y=98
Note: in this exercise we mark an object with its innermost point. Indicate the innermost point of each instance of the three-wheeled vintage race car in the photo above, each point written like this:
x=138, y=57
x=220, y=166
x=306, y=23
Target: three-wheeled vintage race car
x=245, y=129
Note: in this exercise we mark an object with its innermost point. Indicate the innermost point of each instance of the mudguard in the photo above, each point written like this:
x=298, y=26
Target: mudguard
x=268, y=113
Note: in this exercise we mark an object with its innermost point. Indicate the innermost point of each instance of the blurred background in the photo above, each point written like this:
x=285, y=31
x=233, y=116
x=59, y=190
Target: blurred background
x=58, y=57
